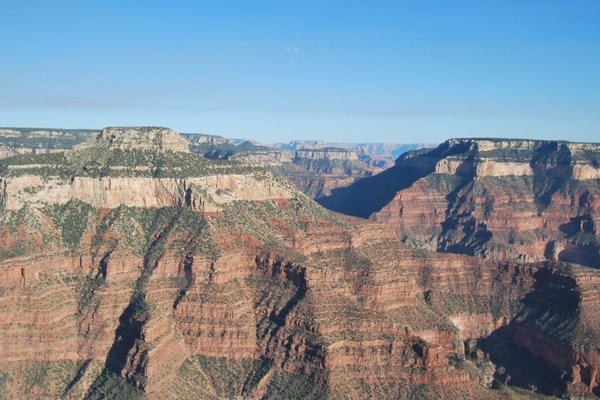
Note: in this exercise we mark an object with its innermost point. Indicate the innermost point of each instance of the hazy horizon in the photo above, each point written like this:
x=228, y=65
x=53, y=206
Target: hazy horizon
x=395, y=72
x=425, y=143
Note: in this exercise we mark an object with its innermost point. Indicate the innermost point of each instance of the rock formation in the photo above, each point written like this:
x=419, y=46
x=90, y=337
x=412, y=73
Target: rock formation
x=39, y=141
x=314, y=171
x=381, y=155
x=145, y=138
x=500, y=199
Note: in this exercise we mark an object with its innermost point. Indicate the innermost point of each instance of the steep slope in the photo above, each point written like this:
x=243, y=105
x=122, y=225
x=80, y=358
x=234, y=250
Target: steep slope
x=500, y=199
x=264, y=294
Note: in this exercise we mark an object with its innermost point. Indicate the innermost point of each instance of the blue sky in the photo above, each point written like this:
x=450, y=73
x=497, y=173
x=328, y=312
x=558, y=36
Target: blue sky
x=394, y=71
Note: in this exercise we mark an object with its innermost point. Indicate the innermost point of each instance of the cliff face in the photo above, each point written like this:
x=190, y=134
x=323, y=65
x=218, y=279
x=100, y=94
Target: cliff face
x=266, y=296
x=147, y=167
x=144, y=138
x=314, y=171
x=318, y=167
x=200, y=139
x=206, y=194
x=502, y=199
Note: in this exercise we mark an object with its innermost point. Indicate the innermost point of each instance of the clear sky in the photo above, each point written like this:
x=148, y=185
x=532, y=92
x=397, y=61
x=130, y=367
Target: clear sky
x=395, y=71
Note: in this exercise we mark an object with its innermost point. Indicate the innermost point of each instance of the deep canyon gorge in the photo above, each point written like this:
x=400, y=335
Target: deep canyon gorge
x=141, y=263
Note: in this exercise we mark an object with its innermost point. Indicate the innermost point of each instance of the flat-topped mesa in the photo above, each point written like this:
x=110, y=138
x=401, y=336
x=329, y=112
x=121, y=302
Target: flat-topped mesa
x=486, y=144
x=139, y=138
x=330, y=153
x=199, y=138
x=509, y=157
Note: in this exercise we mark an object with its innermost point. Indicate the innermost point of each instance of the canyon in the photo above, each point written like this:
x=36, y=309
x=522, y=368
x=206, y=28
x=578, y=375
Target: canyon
x=315, y=167
x=131, y=267
x=314, y=171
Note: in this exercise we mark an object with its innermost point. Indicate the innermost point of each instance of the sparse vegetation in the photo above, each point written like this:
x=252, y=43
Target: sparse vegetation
x=73, y=219
x=110, y=386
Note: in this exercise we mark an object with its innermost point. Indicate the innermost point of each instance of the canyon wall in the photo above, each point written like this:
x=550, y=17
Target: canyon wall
x=314, y=171
x=207, y=193
x=500, y=199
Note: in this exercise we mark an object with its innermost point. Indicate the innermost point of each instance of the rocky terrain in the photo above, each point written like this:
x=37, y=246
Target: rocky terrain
x=380, y=155
x=500, y=199
x=315, y=169
x=133, y=268
x=39, y=141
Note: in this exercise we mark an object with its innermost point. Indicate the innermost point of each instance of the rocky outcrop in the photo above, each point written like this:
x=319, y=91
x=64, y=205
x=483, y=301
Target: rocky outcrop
x=200, y=139
x=314, y=171
x=132, y=167
x=138, y=138
x=500, y=199
x=15, y=141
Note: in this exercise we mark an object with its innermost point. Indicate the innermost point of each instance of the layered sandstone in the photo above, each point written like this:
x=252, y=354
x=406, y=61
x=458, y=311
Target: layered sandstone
x=134, y=138
x=218, y=298
x=207, y=193
x=500, y=199
x=314, y=171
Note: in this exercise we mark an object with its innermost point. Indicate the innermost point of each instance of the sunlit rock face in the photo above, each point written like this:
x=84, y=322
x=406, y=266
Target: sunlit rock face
x=139, y=138
x=522, y=200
